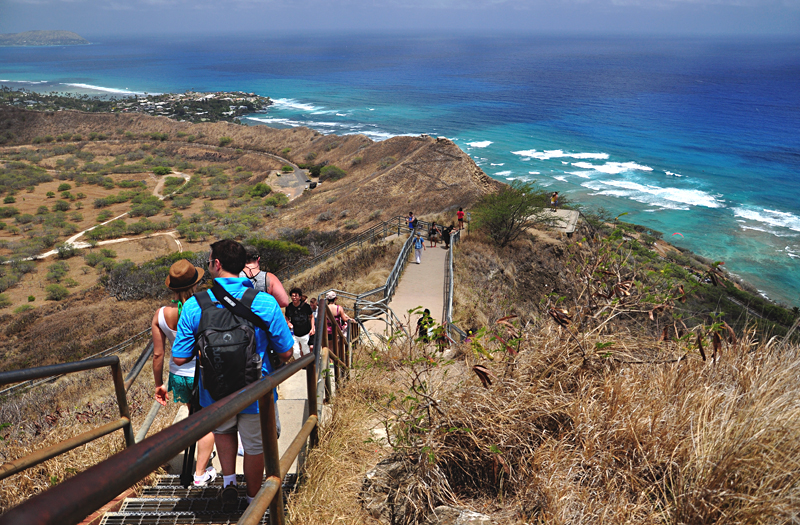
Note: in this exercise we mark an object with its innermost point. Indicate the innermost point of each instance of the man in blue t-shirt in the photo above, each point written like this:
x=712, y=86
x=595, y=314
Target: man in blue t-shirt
x=226, y=260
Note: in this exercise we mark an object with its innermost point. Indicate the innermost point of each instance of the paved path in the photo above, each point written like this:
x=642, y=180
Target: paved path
x=421, y=285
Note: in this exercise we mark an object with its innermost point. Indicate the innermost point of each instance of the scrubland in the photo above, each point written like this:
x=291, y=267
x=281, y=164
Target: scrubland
x=609, y=378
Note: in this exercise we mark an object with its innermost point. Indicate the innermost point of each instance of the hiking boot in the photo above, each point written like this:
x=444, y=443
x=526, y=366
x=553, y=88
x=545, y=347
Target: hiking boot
x=229, y=494
x=206, y=479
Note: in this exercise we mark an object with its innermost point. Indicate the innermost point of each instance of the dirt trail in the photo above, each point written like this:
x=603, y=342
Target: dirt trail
x=73, y=241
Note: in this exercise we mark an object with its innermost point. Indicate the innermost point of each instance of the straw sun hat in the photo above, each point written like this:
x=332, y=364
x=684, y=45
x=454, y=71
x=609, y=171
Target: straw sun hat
x=183, y=275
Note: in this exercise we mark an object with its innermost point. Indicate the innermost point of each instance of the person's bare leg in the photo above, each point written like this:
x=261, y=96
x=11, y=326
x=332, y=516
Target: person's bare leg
x=253, y=472
x=204, y=448
x=227, y=445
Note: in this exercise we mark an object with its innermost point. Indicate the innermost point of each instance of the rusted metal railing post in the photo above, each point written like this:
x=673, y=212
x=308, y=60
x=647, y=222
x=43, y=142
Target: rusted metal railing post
x=122, y=401
x=272, y=460
x=311, y=388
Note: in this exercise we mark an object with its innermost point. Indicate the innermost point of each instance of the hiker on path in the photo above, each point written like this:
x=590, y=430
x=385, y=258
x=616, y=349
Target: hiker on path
x=182, y=280
x=446, y=235
x=412, y=222
x=434, y=234
x=225, y=263
x=424, y=326
x=460, y=216
x=263, y=281
x=419, y=246
x=301, y=321
x=338, y=313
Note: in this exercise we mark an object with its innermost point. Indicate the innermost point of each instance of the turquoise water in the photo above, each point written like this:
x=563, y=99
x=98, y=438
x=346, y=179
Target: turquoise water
x=697, y=136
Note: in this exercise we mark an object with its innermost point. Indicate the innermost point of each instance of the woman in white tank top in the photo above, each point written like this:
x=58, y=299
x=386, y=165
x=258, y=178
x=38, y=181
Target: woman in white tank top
x=182, y=280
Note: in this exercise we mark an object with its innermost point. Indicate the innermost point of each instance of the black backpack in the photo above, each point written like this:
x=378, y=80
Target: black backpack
x=226, y=343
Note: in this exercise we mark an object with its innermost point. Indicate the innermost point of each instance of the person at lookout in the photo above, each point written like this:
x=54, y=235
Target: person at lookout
x=182, y=281
x=554, y=200
x=460, y=217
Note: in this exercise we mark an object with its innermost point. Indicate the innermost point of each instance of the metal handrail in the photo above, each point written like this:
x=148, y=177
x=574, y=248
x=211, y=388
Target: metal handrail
x=124, y=421
x=447, y=313
x=70, y=501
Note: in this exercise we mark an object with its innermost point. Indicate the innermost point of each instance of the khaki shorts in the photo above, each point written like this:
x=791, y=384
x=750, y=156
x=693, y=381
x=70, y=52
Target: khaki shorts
x=249, y=428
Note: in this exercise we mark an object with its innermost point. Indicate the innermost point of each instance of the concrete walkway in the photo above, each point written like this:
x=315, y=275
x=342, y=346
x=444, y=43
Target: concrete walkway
x=421, y=285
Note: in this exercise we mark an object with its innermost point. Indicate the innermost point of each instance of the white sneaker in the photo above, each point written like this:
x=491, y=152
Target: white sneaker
x=206, y=479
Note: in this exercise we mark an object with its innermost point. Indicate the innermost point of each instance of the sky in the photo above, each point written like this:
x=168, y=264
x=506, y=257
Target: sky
x=310, y=18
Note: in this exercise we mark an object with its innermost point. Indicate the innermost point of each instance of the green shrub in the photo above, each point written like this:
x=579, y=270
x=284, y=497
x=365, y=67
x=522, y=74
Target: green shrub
x=506, y=214
x=64, y=187
x=127, y=281
x=61, y=206
x=146, y=206
x=386, y=162
x=331, y=173
x=287, y=169
x=162, y=170
x=9, y=199
x=50, y=195
x=23, y=308
x=277, y=254
x=225, y=141
x=31, y=298
x=4, y=301
x=57, y=271
x=356, y=161
x=8, y=211
x=181, y=202
x=56, y=292
x=259, y=190
x=65, y=251
x=277, y=199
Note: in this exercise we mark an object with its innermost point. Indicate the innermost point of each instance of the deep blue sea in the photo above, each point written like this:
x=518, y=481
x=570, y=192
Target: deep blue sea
x=697, y=138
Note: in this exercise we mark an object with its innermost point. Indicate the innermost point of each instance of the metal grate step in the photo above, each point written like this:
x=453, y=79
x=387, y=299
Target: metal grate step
x=172, y=518
x=196, y=505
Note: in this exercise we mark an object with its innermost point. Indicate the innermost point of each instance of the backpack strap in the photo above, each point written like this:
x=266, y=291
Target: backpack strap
x=204, y=301
x=248, y=297
x=236, y=307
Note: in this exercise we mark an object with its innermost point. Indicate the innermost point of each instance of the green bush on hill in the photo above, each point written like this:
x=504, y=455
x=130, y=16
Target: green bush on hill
x=331, y=173
x=128, y=281
x=509, y=212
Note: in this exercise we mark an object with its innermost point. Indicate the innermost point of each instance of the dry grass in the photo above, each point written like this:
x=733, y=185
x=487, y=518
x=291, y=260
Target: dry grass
x=51, y=413
x=335, y=470
x=560, y=439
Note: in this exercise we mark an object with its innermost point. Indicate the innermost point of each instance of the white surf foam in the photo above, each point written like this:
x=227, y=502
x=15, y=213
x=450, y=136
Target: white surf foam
x=26, y=81
x=480, y=144
x=669, y=198
x=775, y=218
x=612, y=168
x=294, y=104
x=561, y=178
x=498, y=164
x=284, y=121
x=534, y=173
x=503, y=173
x=108, y=90
x=557, y=153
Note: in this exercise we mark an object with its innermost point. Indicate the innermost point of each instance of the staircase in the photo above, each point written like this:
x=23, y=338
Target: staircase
x=167, y=502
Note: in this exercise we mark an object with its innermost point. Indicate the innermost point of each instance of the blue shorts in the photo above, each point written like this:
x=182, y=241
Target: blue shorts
x=181, y=388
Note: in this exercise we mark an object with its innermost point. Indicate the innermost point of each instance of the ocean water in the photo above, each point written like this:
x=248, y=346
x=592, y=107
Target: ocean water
x=697, y=138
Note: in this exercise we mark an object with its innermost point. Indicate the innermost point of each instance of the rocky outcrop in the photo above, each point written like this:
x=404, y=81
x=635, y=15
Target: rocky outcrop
x=380, y=497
